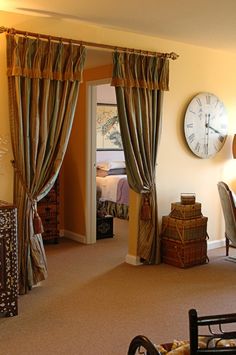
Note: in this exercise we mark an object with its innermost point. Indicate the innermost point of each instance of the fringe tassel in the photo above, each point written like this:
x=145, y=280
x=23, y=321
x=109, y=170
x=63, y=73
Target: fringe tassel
x=37, y=223
x=146, y=212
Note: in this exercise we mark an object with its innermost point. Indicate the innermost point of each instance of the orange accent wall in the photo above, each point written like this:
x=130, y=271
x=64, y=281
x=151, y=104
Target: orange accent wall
x=74, y=165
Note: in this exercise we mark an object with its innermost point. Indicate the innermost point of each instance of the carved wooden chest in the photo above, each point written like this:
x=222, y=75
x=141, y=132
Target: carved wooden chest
x=105, y=227
x=48, y=209
x=8, y=260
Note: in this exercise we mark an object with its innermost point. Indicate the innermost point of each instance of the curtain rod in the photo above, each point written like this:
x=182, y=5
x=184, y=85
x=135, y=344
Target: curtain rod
x=171, y=55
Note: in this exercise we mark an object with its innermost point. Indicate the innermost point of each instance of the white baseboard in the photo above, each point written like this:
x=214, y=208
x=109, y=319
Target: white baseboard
x=215, y=244
x=74, y=236
x=133, y=260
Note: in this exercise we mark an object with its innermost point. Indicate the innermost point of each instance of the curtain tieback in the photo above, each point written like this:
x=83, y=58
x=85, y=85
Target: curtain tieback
x=37, y=222
x=146, y=210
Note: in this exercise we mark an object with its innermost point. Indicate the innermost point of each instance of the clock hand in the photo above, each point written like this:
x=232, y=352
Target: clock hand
x=207, y=133
x=213, y=129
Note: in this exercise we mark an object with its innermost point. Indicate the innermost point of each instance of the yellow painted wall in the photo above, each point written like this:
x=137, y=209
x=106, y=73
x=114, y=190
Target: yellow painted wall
x=6, y=171
x=74, y=166
x=197, y=69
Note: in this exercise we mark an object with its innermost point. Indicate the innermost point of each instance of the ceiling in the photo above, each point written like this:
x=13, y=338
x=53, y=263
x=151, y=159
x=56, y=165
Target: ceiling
x=208, y=23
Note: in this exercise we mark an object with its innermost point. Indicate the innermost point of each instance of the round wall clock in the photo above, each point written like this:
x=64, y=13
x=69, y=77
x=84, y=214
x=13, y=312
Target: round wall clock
x=205, y=125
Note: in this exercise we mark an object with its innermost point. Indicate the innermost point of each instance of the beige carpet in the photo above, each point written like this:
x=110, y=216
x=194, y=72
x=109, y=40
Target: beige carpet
x=95, y=303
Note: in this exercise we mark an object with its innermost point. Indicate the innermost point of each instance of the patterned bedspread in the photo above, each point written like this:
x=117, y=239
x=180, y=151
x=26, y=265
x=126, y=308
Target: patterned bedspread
x=114, y=188
x=123, y=191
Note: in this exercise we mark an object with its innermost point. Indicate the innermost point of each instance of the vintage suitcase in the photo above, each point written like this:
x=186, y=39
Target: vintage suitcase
x=178, y=210
x=184, y=230
x=187, y=198
x=184, y=255
x=105, y=227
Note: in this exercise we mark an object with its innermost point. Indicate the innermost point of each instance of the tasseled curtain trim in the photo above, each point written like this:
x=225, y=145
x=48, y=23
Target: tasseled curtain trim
x=37, y=224
x=140, y=71
x=36, y=58
x=146, y=210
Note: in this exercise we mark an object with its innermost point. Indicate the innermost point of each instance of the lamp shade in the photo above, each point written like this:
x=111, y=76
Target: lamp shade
x=234, y=147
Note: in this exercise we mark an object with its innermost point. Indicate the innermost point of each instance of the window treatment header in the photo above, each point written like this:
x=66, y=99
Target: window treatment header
x=37, y=58
x=140, y=71
x=109, y=47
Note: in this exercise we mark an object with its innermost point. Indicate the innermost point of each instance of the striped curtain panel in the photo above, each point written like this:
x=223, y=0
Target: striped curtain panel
x=139, y=82
x=43, y=81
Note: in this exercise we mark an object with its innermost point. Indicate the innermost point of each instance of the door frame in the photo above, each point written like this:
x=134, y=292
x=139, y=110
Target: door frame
x=91, y=146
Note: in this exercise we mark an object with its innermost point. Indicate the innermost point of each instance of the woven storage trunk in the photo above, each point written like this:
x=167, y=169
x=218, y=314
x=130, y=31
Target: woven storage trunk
x=187, y=198
x=184, y=230
x=178, y=210
x=184, y=255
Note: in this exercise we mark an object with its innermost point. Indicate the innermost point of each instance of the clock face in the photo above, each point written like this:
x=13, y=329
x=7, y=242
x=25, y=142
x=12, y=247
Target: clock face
x=205, y=125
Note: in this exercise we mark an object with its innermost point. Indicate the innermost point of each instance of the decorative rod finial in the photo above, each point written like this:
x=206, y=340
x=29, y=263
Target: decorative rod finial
x=2, y=29
x=173, y=55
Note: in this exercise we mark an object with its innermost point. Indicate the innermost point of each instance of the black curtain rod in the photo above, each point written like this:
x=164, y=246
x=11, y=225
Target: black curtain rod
x=171, y=55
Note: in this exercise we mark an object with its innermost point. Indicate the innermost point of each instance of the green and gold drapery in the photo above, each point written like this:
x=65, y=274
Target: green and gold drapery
x=140, y=81
x=43, y=81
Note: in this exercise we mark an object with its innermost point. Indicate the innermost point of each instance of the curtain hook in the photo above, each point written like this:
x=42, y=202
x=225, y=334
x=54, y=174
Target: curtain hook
x=71, y=45
x=12, y=31
x=38, y=39
x=3, y=29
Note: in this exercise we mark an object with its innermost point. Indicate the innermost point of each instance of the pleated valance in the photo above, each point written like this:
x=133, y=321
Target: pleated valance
x=140, y=71
x=37, y=58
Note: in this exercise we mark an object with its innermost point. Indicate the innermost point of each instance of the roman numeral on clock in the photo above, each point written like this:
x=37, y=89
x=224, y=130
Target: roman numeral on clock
x=199, y=101
x=190, y=125
x=191, y=137
x=205, y=148
x=221, y=139
x=208, y=100
x=197, y=147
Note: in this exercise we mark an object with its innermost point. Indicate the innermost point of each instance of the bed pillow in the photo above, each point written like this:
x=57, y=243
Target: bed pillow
x=103, y=165
x=108, y=165
x=101, y=173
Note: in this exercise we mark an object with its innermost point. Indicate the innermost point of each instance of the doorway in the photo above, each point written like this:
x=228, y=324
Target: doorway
x=99, y=93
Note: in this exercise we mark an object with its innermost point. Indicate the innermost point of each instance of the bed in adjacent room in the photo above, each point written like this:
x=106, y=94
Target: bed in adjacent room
x=112, y=189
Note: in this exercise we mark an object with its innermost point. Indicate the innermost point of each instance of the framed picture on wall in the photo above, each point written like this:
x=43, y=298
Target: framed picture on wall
x=108, y=128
